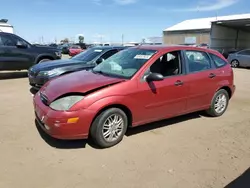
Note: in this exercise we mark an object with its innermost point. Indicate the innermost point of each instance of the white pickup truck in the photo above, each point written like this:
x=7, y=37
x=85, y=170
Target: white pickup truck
x=5, y=27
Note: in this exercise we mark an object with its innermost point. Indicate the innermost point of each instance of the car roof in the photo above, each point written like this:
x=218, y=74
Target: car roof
x=5, y=33
x=173, y=47
x=108, y=47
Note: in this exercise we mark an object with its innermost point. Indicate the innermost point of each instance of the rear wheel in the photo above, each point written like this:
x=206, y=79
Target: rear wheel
x=219, y=103
x=109, y=127
x=235, y=63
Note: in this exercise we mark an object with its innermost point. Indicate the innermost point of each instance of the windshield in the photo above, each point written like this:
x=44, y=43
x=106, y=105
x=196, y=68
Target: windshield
x=125, y=63
x=89, y=54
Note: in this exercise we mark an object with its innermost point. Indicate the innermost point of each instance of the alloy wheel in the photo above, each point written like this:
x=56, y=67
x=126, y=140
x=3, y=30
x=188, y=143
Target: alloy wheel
x=113, y=128
x=220, y=103
x=235, y=63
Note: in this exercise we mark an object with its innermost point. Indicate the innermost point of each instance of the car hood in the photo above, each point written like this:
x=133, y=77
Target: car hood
x=78, y=82
x=49, y=65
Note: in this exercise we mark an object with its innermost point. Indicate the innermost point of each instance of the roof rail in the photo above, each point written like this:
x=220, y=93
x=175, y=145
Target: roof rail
x=3, y=20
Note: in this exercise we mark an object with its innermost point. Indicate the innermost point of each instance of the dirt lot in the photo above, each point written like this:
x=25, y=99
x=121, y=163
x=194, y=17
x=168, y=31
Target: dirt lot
x=190, y=151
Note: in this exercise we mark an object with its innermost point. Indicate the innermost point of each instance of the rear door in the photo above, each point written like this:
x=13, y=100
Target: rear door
x=6, y=47
x=201, y=79
x=11, y=57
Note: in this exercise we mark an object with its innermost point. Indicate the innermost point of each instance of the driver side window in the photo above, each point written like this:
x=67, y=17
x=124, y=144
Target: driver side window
x=167, y=65
x=18, y=40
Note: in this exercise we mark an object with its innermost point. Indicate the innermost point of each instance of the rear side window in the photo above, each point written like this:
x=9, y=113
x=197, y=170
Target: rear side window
x=6, y=41
x=244, y=52
x=197, y=61
x=218, y=61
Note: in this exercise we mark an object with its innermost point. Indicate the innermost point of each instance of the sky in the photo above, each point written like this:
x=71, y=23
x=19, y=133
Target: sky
x=108, y=20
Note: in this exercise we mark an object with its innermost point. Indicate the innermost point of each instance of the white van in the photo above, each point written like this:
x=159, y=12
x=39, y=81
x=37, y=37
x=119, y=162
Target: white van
x=5, y=27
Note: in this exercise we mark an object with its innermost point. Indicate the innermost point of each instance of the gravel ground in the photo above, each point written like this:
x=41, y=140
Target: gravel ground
x=189, y=151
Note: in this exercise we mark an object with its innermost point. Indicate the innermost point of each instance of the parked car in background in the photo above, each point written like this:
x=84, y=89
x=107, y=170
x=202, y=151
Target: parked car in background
x=135, y=86
x=41, y=73
x=82, y=45
x=74, y=50
x=53, y=45
x=240, y=58
x=186, y=44
x=18, y=54
x=226, y=52
x=203, y=45
x=65, y=48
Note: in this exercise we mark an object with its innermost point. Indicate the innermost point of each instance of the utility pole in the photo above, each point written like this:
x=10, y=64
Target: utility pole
x=122, y=39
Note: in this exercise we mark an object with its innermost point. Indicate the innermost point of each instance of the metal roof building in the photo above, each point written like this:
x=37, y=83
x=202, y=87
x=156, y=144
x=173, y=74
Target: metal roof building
x=196, y=31
x=5, y=27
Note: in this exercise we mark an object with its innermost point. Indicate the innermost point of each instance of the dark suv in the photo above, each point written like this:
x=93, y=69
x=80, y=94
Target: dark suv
x=39, y=74
x=18, y=54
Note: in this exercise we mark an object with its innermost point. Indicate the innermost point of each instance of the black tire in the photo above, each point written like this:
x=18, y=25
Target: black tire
x=97, y=127
x=43, y=60
x=235, y=63
x=212, y=110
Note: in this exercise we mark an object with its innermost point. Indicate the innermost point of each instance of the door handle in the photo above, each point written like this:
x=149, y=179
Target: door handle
x=212, y=75
x=178, y=83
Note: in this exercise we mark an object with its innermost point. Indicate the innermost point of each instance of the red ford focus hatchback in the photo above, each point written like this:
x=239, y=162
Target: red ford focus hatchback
x=134, y=87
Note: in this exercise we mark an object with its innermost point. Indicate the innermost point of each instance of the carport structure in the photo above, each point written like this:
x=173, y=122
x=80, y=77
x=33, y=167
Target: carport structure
x=230, y=34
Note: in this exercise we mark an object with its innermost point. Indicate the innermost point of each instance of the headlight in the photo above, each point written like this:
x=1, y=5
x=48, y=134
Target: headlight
x=58, y=54
x=65, y=103
x=49, y=73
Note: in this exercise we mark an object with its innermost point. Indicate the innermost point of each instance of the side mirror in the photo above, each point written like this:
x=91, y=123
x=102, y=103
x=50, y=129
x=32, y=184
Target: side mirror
x=154, y=77
x=99, y=60
x=21, y=45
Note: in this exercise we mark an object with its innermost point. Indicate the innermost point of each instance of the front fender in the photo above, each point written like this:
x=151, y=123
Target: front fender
x=125, y=101
x=112, y=100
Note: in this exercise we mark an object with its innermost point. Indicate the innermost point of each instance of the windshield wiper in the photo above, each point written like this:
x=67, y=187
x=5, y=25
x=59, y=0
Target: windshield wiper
x=100, y=72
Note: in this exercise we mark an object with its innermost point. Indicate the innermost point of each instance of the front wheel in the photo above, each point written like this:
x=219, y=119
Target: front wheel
x=109, y=127
x=219, y=103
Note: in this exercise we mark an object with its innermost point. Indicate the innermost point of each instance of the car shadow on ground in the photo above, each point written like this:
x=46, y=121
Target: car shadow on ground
x=242, y=181
x=78, y=144
x=62, y=144
x=33, y=91
x=13, y=75
x=163, y=123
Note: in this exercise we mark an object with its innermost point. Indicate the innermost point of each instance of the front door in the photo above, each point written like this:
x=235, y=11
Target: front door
x=6, y=59
x=166, y=98
x=24, y=56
